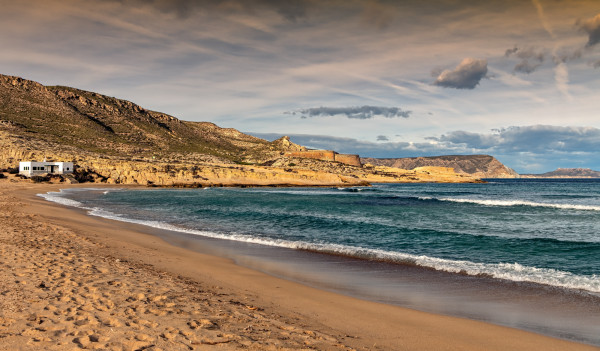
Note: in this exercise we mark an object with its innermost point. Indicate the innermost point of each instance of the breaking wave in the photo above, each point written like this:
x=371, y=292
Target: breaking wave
x=507, y=203
x=508, y=271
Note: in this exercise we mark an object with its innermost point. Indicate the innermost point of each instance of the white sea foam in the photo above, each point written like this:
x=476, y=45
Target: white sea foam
x=59, y=196
x=507, y=203
x=509, y=271
x=59, y=199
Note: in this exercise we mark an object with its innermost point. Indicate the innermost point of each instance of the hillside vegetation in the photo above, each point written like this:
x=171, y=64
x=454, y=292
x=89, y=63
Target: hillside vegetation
x=115, y=127
x=116, y=141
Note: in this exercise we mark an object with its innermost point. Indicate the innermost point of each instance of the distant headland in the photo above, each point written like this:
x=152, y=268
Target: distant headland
x=566, y=173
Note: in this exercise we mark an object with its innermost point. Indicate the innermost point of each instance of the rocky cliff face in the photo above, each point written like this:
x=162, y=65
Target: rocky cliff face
x=479, y=166
x=326, y=155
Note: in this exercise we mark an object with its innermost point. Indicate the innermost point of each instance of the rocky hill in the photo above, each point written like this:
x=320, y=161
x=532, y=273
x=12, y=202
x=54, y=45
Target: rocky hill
x=479, y=166
x=116, y=141
x=110, y=126
x=566, y=173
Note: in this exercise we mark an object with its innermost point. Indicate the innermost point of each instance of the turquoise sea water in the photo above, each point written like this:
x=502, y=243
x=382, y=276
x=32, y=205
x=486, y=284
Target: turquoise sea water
x=540, y=231
x=519, y=253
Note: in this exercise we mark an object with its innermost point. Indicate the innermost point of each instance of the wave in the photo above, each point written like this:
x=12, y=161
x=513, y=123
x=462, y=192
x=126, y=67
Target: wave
x=508, y=203
x=508, y=271
x=59, y=199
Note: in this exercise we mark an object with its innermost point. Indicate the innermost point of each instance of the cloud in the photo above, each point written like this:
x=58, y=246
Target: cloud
x=357, y=112
x=354, y=146
x=592, y=27
x=292, y=10
x=527, y=149
x=466, y=75
x=561, y=78
x=378, y=14
x=509, y=52
x=531, y=58
x=382, y=138
x=540, y=139
x=543, y=18
x=526, y=67
x=565, y=56
x=535, y=139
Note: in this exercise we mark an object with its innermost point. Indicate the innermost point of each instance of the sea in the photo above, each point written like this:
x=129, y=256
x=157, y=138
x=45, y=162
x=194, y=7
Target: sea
x=523, y=253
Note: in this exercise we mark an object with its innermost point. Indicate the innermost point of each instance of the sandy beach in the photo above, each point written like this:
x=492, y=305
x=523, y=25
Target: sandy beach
x=71, y=281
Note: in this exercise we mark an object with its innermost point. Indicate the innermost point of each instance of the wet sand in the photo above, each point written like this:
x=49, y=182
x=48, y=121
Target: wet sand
x=70, y=281
x=549, y=310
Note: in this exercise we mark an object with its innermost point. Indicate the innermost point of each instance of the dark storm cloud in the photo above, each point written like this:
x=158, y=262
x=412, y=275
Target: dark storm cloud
x=357, y=112
x=466, y=75
x=592, y=27
x=382, y=138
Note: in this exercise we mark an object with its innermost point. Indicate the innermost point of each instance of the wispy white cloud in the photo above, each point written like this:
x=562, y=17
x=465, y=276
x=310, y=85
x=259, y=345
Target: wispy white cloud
x=543, y=18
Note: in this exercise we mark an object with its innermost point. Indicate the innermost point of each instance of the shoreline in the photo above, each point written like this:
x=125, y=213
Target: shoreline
x=552, y=310
x=340, y=320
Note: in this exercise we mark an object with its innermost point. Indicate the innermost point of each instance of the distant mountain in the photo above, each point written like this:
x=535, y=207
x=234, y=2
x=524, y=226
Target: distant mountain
x=566, y=173
x=479, y=166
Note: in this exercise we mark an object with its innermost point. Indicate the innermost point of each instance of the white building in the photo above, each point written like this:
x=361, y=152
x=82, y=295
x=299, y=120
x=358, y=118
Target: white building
x=32, y=168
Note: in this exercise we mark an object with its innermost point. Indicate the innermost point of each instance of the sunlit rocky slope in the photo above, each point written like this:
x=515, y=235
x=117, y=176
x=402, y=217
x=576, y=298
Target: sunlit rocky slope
x=116, y=141
x=480, y=166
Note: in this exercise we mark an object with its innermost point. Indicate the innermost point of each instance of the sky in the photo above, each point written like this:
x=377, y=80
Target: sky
x=519, y=80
